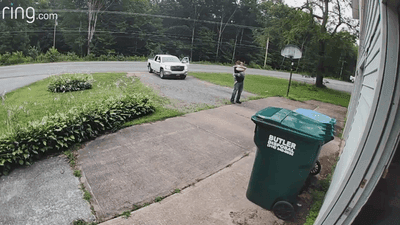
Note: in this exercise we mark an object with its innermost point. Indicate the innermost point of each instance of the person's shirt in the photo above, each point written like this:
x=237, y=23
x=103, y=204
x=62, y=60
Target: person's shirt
x=238, y=69
x=238, y=73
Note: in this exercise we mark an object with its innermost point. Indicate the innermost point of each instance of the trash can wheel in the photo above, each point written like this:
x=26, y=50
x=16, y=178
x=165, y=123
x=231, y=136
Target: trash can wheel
x=283, y=210
x=316, y=169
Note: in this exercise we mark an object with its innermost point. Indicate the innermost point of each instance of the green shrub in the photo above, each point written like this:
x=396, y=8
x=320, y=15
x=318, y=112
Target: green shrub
x=52, y=55
x=71, y=56
x=69, y=82
x=16, y=58
x=120, y=57
x=4, y=58
x=90, y=57
x=103, y=58
x=62, y=130
x=41, y=58
x=33, y=52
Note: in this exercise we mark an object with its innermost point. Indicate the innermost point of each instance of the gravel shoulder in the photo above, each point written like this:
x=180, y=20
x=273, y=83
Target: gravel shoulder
x=190, y=94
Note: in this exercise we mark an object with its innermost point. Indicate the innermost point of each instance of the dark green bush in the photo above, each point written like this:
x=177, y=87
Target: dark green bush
x=16, y=58
x=62, y=130
x=33, y=52
x=103, y=58
x=52, y=55
x=4, y=58
x=71, y=56
x=69, y=82
x=90, y=57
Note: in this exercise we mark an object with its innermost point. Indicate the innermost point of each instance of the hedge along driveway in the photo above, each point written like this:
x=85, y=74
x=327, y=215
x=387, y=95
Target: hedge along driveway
x=38, y=120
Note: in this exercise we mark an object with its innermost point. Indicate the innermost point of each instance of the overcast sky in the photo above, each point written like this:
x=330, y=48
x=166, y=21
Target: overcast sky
x=297, y=3
x=294, y=3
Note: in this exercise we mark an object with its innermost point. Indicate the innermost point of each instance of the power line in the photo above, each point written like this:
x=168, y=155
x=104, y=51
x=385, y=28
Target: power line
x=147, y=15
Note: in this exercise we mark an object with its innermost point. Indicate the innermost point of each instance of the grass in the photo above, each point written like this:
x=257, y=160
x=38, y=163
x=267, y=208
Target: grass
x=126, y=214
x=77, y=173
x=71, y=157
x=34, y=101
x=82, y=222
x=318, y=196
x=264, y=87
x=158, y=199
x=87, y=196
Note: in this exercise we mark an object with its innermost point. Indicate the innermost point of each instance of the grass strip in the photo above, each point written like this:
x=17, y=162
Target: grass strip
x=265, y=86
x=318, y=196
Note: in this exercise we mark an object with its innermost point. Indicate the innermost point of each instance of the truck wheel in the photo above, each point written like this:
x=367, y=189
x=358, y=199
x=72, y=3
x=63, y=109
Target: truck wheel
x=150, y=69
x=283, y=210
x=316, y=169
x=162, y=74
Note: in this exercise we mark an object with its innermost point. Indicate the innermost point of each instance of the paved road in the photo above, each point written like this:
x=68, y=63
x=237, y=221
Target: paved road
x=13, y=77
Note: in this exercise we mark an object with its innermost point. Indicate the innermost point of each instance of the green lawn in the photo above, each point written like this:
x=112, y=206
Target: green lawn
x=34, y=101
x=264, y=86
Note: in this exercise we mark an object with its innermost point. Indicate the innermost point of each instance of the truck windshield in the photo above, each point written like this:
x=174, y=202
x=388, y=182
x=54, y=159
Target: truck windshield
x=170, y=59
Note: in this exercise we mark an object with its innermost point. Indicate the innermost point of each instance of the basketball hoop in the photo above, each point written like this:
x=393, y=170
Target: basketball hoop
x=291, y=52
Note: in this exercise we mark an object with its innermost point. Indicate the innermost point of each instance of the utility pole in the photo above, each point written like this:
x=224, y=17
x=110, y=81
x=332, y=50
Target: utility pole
x=266, y=53
x=54, y=36
x=194, y=25
x=234, y=48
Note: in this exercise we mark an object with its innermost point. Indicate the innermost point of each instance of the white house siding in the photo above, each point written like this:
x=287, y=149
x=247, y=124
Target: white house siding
x=361, y=111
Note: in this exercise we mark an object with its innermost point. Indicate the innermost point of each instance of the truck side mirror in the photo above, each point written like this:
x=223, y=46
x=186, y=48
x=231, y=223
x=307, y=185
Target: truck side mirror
x=185, y=60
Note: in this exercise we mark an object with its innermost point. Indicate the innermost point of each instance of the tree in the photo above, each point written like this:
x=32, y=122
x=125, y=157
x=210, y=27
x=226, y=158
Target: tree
x=94, y=7
x=331, y=19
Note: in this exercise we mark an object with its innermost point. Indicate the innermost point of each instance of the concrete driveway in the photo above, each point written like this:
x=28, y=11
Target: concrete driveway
x=207, y=154
x=138, y=164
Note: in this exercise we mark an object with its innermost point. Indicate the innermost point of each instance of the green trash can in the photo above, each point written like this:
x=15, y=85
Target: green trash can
x=327, y=121
x=288, y=144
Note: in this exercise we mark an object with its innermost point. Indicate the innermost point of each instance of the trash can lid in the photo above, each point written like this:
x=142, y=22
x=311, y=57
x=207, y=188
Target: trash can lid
x=316, y=116
x=293, y=122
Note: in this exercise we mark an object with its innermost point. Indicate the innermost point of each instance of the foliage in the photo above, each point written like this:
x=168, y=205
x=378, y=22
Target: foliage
x=158, y=199
x=62, y=130
x=126, y=214
x=77, y=173
x=318, y=196
x=218, y=31
x=54, y=56
x=82, y=222
x=70, y=82
x=87, y=196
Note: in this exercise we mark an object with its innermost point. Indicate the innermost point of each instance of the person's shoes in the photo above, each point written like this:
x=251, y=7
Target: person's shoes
x=232, y=102
x=238, y=102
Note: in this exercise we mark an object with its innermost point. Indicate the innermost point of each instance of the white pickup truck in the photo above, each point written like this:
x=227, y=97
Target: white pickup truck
x=168, y=65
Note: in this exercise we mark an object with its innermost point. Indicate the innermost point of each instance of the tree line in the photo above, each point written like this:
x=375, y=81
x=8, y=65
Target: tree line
x=220, y=31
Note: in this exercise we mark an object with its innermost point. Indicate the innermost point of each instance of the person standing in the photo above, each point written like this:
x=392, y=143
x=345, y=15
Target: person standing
x=238, y=74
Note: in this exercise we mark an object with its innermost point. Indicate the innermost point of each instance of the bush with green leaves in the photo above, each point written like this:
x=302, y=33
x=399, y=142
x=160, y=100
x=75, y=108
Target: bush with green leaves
x=70, y=82
x=4, y=58
x=33, y=52
x=71, y=56
x=62, y=130
x=52, y=55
